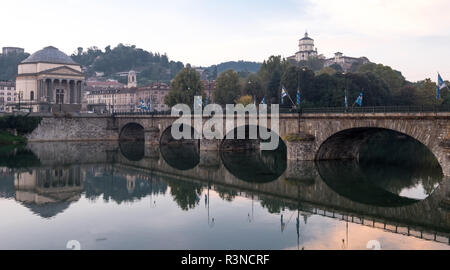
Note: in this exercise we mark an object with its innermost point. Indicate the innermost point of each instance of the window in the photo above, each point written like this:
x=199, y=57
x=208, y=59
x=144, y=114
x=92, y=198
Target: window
x=32, y=95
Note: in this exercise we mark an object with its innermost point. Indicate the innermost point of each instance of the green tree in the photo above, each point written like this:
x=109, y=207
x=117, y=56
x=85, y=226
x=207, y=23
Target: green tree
x=393, y=78
x=252, y=86
x=227, y=87
x=427, y=92
x=270, y=73
x=184, y=88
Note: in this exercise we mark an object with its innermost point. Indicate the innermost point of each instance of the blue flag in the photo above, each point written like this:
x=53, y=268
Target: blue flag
x=359, y=100
x=441, y=82
x=437, y=92
x=298, y=96
x=206, y=102
x=263, y=101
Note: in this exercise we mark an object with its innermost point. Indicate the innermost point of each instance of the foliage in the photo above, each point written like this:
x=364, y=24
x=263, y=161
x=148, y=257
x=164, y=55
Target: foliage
x=184, y=88
x=123, y=58
x=244, y=100
x=7, y=138
x=237, y=66
x=252, y=86
x=227, y=88
x=313, y=63
x=394, y=79
x=23, y=124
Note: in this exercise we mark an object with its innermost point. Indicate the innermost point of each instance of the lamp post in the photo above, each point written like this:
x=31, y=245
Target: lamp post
x=20, y=97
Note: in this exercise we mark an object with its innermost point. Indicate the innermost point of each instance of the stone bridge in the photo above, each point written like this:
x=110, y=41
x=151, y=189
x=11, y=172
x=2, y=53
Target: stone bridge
x=313, y=136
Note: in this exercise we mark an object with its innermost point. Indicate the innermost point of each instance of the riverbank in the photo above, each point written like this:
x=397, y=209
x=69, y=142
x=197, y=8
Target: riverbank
x=8, y=139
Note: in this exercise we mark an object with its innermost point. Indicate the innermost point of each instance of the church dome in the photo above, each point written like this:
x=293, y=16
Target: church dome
x=49, y=55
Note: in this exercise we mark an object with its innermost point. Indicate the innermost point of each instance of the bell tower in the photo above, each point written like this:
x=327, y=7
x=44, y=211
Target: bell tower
x=132, y=79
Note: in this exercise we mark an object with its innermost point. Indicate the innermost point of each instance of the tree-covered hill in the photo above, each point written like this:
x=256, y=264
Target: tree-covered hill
x=151, y=66
x=241, y=67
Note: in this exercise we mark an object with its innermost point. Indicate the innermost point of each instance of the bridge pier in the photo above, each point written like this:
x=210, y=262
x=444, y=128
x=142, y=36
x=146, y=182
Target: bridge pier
x=151, y=136
x=210, y=145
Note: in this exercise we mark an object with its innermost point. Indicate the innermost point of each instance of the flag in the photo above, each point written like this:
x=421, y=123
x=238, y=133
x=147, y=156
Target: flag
x=346, y=100
x=263, y=101
x=441, y=83
x=283, y=94
x=298, y=96
x=437, y=92
x=359, y=100
x=206, y=102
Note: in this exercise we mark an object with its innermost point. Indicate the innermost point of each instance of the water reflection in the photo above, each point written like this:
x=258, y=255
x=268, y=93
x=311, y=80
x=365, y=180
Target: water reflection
x=181, y=156
x=255, y=166
x=163, y=196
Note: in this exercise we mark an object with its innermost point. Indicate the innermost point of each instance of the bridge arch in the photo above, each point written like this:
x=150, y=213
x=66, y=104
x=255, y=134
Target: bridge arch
x=346, y=143
x=132, y=132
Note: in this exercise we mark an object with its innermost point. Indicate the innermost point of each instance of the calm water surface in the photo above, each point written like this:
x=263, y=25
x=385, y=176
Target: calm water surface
x=127, y=196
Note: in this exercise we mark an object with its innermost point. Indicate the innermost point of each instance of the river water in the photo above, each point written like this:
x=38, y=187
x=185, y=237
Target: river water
x=128, y=196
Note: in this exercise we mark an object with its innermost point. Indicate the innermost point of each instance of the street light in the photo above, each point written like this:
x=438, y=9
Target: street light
x=20, y=97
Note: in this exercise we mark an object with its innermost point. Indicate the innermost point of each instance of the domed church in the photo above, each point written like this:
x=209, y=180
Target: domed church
x=49, y=81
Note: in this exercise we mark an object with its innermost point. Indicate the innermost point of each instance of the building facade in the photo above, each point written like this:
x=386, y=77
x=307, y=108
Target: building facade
x=345, y=62
x=50, y=81
x=7, y=95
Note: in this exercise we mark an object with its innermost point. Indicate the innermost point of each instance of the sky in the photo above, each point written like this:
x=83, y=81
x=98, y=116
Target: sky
x=412, y=36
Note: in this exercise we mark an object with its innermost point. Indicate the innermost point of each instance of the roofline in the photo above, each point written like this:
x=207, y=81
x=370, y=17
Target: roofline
x=49, y=62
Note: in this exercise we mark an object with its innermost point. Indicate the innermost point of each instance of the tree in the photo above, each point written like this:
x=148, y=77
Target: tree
x=291, y=80
x=270, y=73
x=252, y=86
x=327, y=70
x=407, y=95
x=184, y=88
x=394, y=79
x=227, y=88
x=427, y=92
x=244, y=100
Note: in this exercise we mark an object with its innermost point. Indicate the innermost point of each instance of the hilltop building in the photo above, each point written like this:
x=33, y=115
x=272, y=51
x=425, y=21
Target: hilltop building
x=307, y=50
x=49, y=81
x=345, y=62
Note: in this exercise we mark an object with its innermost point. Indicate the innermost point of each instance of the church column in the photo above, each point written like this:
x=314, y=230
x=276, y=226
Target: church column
x=79, y=97
x=50, y=91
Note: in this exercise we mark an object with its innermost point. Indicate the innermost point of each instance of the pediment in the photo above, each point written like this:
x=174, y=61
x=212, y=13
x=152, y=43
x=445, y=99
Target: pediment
x=63, y=70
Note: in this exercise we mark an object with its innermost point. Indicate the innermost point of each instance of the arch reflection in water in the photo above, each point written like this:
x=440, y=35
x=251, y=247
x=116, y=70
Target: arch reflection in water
x=244, y=160
x=132, y=150
x=393, y=170
x=183, y=154
x=182, y=157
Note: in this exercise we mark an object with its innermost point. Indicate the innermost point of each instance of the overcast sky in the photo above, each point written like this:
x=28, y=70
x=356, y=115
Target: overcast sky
x=412, y=36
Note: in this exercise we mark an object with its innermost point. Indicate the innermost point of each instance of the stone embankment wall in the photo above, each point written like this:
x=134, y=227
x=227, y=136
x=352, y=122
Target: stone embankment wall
x=74, y=129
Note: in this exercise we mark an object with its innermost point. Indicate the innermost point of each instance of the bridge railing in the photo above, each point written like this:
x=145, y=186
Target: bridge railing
x=377, y=109
x=364, y=109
